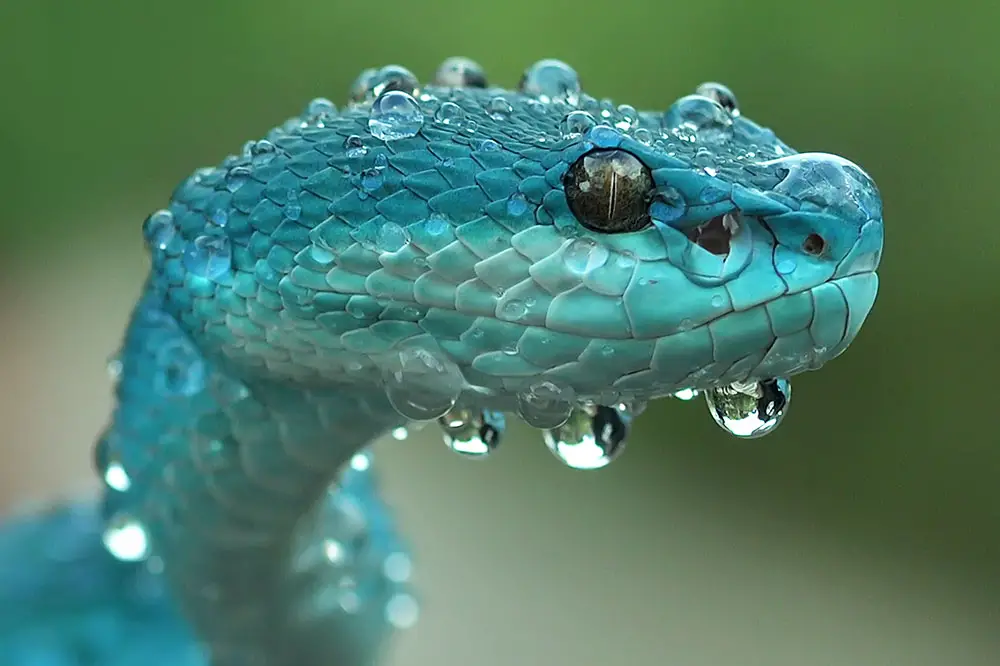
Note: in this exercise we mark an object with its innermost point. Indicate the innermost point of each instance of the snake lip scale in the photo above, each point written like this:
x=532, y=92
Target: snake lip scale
x=451, y=253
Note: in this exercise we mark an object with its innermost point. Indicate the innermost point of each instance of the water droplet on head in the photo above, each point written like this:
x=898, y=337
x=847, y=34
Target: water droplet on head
x=449, y=113
x=544, y=405
x=499, y=108
x=472, y=433
x=750, y=410
x=584, y=255
x=208, y=256
x=591, y=438
x=395, y=115
x=550, y=80
x=668, y=205
x=391, y=78
x=362, y=86
x=720, y=94
x=643, y=136
x=697, y=118
x=126, y=539
x=319, y=111
x=628, y=117
x=400, y=433
x=460, y=72
x=576, y=123
x=236, y=177
x=354, y=147
x=517, y=205
x=262, y=152
x=159, y=229
x=421, y=385
x=786, y=266
x=436, y=225
x=391, y=237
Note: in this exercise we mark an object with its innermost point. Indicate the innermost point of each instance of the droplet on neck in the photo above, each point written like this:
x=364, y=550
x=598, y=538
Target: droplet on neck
x=698, y=118
x=209, y=256
x=591, y=438
x=116, y=477
x=159, y=229
x=395, y=115
x=750, y=410
x=472, y=433
x=126, y=539
x=576, y=123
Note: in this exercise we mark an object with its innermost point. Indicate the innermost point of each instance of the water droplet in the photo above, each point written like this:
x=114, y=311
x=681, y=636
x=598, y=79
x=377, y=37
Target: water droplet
x=262, y=152
x=786, y=266
x=354, y=147
x=628, y=117
x=361, y=462
x=400, y=433
x=236, y=177
x=643, y=136
x=335, y=552
x=397, y=567
x=499, y=109
x=544, y=405
x=717, y=301
x=591, y=438
x=319, y=112
x=472, y=433
x=395, y=115
x=686, y=394
x=208, y=256
x=488, y=146
x=181, y=370
x=293, y=210
x=371, y=179
x=720, y=94
x=393, y=78
x=513, y=310
x=697, y=118
x=114, y=368
x=362, y=86
x=436, y=225
x=517, y=205
x=116, y=477
x=402, y=611
x=421, y=385
x=576, y=123
x=159, y=229
x=584, y=255
x=126, y=539
x=449, y=113
x=750, y=410
x=459, y=72
x=550, y=80
x=391, y=237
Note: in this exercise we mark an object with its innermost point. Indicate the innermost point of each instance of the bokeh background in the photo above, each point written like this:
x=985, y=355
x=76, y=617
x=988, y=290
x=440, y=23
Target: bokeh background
x=866, y=531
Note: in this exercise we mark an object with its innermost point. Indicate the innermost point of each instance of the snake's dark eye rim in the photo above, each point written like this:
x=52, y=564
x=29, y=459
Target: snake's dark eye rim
x=608, y=191
x=814, y=245
x=716, y=234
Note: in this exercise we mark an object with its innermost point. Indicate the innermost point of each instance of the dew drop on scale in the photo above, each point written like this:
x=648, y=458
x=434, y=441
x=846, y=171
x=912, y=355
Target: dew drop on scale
x=395, y=115
x=421, y=385
x=750, y=410
x=472, y=433
x=592, y=437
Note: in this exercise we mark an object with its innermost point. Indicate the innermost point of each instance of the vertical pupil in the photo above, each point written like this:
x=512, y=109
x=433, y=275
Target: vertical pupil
x=608, y=191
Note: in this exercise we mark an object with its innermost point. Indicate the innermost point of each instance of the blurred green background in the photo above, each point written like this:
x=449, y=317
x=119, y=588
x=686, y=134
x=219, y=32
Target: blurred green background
x=865, y=531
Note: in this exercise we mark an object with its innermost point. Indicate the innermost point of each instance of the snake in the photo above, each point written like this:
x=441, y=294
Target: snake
x=450, y=253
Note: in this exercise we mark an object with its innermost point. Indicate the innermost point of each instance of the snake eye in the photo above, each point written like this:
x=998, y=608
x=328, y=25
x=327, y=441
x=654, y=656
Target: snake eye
x=608, y=191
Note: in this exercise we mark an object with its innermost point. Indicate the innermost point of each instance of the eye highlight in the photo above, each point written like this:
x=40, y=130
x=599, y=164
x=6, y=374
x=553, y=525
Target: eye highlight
x=608, y=190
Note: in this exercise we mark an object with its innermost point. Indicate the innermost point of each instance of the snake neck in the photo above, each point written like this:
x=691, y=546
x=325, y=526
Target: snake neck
x=259, y=498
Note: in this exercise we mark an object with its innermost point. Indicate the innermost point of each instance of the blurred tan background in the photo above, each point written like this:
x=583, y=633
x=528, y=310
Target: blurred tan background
x=866, y=531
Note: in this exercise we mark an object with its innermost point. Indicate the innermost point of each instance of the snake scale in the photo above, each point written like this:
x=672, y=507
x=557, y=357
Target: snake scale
x=451, y=253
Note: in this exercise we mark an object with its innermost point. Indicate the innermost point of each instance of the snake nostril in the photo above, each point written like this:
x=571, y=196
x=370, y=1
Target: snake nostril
x=716, y=234
x=814, y=244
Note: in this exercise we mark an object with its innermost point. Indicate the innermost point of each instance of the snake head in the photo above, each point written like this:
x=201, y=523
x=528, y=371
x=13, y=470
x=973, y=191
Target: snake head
x=498, y=244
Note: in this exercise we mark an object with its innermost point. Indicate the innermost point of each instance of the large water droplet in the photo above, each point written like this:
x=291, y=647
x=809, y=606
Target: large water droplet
x=393, y=77
x=459, y=72
x=591, y=438
x=750, y=410
x=159, y=229
x=584, y=255
x=576, y=123
x=395, y=115
x=319, y=112
x=544, y=405
x=421, y=385
x=209, y=256
x=720, y=94
x=550, y=80
x=472, y=433
x=126, y=539
x=697, y=118
x=262, y=152
x=362, y=86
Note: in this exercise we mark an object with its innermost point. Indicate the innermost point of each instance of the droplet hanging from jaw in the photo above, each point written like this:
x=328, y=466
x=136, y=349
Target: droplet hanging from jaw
x=592, y=437
x=750, y=410
x=472, y=433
